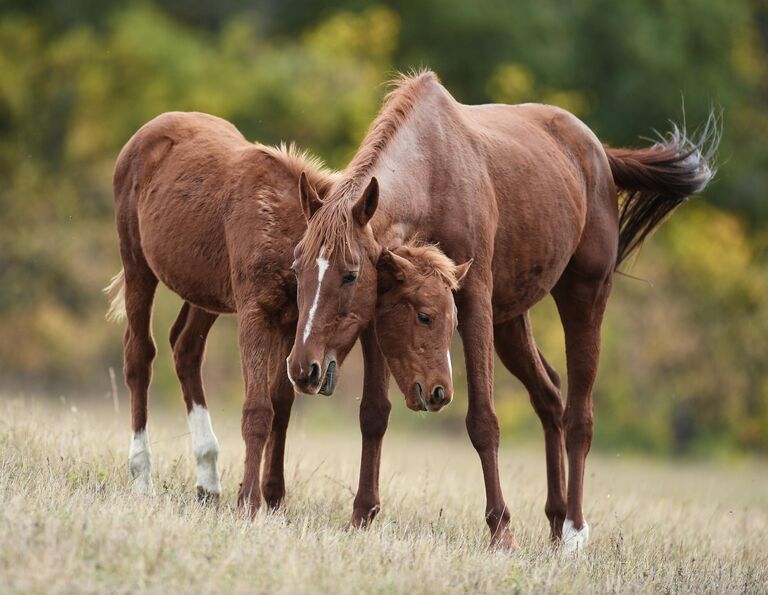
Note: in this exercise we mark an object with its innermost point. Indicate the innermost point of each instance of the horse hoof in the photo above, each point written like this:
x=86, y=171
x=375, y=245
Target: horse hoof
x=574, y=540
x=206, y=497
x=142, y=485
x=362, y=520
x=504, y=539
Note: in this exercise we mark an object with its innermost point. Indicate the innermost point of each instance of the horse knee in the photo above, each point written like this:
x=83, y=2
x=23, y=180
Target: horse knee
x=257, y=422
x=483, y=429
x=578, y=432
x=374, y=418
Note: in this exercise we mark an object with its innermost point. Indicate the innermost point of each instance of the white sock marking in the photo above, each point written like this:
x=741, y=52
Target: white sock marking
x=140, y=463
x=205, y=447
x=322, y=266
x=574, y=540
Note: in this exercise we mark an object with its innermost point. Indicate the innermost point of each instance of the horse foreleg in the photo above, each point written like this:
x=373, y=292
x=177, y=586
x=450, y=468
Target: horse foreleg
x=255, y=341
x=374, y=417
x=517, y=350
x=476, y=330
x=188, y=336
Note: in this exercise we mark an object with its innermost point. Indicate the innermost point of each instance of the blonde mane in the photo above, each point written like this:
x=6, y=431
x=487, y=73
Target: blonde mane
x=297, y=161
x=331, y=224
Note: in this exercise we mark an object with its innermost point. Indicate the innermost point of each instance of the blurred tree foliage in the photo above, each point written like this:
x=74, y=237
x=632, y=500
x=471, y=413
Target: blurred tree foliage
x=684, y=357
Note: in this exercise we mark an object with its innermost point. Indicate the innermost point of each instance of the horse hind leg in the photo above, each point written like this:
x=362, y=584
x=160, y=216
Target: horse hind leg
x=581, y=300
x=517, y=350
x=139, y=352
x=187, y=337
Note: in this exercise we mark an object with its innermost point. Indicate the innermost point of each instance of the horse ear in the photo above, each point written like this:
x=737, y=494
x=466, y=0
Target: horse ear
x=366, y=205
x=461, y=272
x=391, y=270
x=310, y=201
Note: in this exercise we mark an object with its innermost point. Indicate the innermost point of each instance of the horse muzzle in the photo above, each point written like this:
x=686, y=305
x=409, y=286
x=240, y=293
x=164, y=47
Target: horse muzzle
x=313, y=379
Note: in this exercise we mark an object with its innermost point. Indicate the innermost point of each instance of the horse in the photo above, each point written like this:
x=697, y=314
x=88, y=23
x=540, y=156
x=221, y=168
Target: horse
x=216, y=218
x=531, y=195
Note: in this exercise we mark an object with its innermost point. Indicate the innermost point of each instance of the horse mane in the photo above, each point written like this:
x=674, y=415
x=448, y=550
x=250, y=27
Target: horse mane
x=430, y=260
x=297, y=160
x=331, y=224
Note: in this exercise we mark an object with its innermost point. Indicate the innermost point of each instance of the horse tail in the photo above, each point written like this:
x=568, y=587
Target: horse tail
x=116, y=293
x=656, y=180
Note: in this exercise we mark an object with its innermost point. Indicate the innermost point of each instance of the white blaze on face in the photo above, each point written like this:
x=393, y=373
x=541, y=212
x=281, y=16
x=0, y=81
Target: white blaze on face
x=450, y=367
x=322, y=266
x=140, y=463
x=574, y=540
x=205, y=447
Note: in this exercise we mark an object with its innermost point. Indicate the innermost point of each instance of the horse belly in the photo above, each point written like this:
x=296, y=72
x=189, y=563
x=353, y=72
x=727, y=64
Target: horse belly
x=530, y=255
x=184, y=245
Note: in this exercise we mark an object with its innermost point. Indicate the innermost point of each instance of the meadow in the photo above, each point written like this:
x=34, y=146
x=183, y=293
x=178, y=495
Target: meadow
x=70, y=523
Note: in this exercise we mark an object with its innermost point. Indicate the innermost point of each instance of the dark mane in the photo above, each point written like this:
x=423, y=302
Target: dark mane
x=330, y=226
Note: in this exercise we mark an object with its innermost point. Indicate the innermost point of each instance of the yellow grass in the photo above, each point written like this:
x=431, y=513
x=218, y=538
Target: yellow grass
x=69, y=522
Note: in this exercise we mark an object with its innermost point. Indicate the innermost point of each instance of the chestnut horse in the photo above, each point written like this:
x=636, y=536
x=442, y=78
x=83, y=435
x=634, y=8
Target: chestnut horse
x=215, y=218
x=529, y=193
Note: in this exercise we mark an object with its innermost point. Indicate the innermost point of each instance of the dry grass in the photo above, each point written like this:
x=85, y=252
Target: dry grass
x=69, y=522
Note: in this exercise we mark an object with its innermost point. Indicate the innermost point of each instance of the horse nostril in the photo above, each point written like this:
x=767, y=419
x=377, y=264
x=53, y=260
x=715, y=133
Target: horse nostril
x=314, y=373
x=437, y=395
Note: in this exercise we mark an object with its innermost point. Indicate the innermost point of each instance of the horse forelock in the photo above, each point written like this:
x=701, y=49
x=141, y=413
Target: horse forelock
x=430, y=260
x=331, y=225
x=329, y=231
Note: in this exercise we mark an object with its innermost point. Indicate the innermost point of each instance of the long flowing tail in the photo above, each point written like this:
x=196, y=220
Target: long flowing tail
x=116, y=293
x=656, y=180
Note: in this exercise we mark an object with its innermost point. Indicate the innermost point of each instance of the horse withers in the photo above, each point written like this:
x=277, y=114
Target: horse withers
x=216, y=219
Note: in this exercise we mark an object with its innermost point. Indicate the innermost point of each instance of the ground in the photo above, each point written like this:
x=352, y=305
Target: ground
x=69, y=522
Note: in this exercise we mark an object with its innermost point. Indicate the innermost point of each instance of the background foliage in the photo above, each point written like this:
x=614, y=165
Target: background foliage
x=685, y=348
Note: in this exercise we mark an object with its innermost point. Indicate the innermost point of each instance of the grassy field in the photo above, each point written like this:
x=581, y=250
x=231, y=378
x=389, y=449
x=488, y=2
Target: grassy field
x=69, y=522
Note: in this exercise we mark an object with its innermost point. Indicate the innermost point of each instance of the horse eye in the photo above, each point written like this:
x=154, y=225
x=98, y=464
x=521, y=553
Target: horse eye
x=424, y=318
x=350, y=277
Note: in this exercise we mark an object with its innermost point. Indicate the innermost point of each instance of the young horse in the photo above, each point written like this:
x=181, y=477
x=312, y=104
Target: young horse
x=529, y=193
x=216, y=219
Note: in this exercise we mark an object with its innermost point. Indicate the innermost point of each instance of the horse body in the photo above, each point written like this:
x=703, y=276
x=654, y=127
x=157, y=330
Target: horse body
x=530, y=194
x=195, y=206
x=520, y=188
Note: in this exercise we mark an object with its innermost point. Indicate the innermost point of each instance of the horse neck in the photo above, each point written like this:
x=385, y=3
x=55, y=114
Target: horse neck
x=408, y=167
